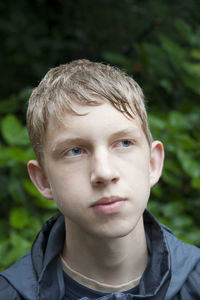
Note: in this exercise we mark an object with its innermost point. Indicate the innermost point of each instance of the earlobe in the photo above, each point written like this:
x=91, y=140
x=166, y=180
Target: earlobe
x=39, y=179
x=156, y=162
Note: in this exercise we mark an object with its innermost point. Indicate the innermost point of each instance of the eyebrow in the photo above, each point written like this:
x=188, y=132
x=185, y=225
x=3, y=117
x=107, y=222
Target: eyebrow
x=127, y=132
x=67, y=141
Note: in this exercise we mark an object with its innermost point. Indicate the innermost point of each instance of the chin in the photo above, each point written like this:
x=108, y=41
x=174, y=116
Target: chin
x=115, y=231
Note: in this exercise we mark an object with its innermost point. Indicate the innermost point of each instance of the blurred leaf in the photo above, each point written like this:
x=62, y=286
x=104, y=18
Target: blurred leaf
x=17, y=247
x=184, y=29
x=46, y=204
x=16, y=190
x=171, y=47
x=13, y=132
x=195, y=53
x=166, y=84
x=156, y=123
x=173, y=209
x=116, y=58
x=196, y=183
x=189, y=165
x=17, y=153
x=25, y=94
x=9, y=105
x=192, y=82
x=171, y=178
x=4, y=156
x=193, y=68
x=19, y=217
x=182, y=221
x=177, y=121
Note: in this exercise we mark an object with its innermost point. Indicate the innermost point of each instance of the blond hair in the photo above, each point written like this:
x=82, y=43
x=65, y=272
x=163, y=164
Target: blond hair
x=83, y=82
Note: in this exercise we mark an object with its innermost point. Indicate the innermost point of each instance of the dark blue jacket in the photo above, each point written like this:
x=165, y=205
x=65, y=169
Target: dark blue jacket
x=173, y=271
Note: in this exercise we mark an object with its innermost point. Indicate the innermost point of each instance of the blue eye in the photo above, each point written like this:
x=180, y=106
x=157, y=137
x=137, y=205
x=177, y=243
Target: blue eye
x=126, y=143
x=75, y=151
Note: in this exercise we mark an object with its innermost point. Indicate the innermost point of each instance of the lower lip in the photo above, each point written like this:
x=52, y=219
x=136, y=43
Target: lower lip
x=109, y=208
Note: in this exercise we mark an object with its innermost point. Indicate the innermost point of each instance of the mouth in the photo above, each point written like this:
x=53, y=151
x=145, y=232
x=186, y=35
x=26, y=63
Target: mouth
x=109, y=205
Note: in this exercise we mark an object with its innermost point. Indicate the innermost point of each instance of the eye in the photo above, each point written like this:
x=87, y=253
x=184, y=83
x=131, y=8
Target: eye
x=126, y=143
x=76, y=151
x=123, y=144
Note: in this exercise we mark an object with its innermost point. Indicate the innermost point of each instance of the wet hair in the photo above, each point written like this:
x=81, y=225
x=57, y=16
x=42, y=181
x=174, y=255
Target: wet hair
x=85, y=83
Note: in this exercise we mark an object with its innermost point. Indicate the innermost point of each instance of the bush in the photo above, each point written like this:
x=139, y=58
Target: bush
x=168, y=69
x=162, y=53
x=23, y=210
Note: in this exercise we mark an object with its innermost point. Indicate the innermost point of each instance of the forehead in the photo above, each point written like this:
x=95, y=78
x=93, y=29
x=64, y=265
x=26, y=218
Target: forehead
x=93, y=122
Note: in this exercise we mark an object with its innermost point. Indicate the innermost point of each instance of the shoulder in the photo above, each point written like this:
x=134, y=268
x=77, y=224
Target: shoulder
x=189, y=289
x=192, y=282
x=7, y=291
x=17, y=280
x=180, y=250
x=185, y=267
x=182, y=260
x=183, y=257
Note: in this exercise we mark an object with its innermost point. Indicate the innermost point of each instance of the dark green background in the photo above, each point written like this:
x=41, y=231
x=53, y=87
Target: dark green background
x=157, y=42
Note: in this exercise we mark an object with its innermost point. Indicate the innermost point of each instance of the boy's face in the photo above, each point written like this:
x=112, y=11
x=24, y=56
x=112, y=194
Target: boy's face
x=99, y=170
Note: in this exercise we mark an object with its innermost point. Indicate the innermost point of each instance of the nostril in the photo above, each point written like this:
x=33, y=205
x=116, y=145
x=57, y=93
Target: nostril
x=99, y=181
x=115, y=180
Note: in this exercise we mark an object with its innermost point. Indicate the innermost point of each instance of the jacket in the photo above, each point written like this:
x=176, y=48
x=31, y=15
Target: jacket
x=173, y=271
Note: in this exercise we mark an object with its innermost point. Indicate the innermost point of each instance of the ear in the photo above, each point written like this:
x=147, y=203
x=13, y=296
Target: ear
x=39, y=179
x=156, y=162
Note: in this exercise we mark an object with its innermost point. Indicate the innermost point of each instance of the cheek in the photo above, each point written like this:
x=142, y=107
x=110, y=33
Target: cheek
x=68, y=185
x=65, y=174
x=137, y=170
x=137, y=176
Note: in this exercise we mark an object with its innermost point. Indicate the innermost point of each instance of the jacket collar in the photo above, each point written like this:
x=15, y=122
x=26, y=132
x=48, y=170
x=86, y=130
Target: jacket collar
x=155, y=279
x=41, y=275
x=50, y=242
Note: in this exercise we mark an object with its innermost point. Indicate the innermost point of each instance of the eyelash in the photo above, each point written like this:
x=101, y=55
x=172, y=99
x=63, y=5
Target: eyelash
x=130, y=143
x=74, y=148
x=116, y=145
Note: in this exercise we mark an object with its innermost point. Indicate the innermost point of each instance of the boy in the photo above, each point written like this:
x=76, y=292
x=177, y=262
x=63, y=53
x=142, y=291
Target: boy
x=96, y=159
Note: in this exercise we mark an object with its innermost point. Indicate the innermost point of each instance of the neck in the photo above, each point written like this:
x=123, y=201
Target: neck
x=110, y=261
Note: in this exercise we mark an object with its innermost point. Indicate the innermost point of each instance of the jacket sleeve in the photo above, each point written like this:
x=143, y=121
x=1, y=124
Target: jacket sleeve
x=191, y=288
x=7, y=291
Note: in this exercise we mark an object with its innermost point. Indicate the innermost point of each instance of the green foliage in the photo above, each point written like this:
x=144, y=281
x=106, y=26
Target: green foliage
x=168, y=68
x=157, y=43
x=13, y=132
x=23, y=210
x=176, y=199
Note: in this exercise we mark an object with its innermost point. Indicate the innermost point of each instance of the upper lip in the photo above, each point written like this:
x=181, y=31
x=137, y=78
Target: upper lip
x=107, y=200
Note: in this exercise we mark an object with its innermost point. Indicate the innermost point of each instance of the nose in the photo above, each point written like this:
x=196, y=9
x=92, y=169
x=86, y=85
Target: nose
x=103, y=170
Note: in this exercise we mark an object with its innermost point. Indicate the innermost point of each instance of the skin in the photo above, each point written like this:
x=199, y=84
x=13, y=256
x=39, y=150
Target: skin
x=100, y=154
